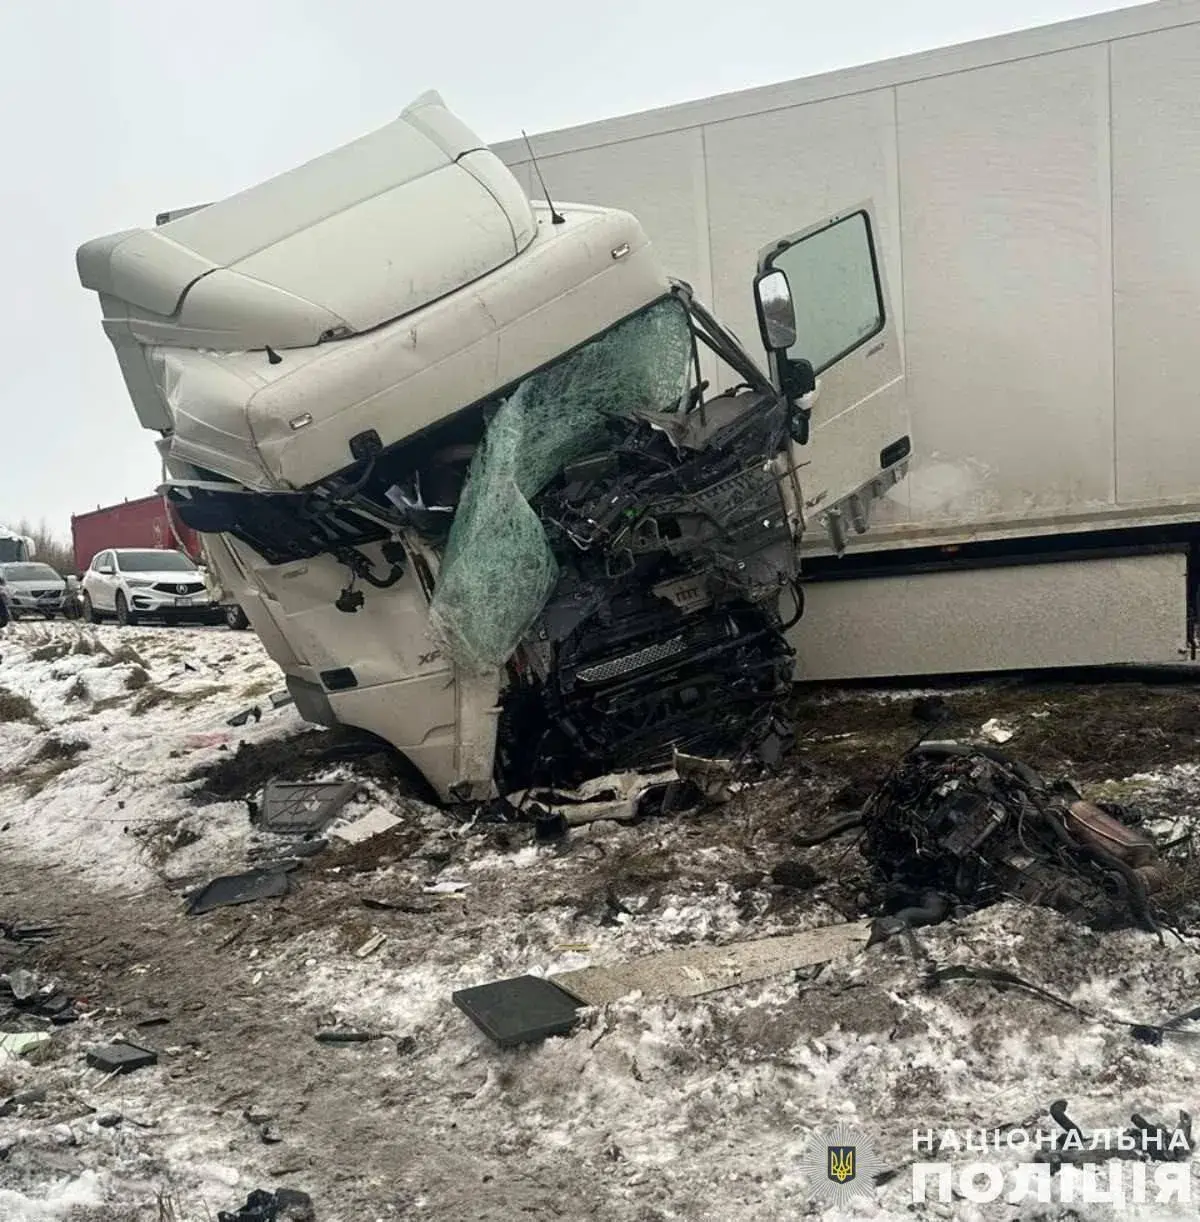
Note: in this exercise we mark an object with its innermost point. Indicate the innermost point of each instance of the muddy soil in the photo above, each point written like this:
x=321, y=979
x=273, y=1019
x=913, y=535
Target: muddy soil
x=363, y=1142
x=357, y=1153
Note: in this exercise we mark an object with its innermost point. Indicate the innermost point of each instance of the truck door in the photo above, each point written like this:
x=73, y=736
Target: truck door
x=824, y=313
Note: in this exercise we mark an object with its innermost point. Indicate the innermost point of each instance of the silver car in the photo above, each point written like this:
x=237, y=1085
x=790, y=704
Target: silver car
x=32, y=589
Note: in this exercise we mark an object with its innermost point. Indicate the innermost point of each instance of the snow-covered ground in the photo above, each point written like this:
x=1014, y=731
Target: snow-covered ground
x=701, y=1109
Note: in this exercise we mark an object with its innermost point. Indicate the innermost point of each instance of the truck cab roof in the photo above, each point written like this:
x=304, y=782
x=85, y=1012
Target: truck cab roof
x=377, y=289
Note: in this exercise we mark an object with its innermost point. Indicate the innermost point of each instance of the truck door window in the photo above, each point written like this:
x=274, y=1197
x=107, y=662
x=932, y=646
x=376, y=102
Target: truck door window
x=835, y=290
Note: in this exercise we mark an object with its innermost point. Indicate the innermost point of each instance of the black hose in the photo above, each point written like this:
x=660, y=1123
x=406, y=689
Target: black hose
x=847, y=824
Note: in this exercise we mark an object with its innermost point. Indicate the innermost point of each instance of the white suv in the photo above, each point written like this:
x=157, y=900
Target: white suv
x=133, y=584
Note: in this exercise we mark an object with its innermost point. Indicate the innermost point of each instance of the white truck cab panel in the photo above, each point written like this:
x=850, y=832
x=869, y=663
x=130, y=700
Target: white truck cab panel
x=453, y=456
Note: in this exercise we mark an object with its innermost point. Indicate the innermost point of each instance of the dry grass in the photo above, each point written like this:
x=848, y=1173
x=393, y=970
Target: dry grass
x=138, y=678
x=49, y=761
x=152, y=697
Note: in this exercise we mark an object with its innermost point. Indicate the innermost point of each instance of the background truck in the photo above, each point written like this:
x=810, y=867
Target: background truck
x=1037, y=197
x=148, y=522
x=488, y=482
x=15, y=547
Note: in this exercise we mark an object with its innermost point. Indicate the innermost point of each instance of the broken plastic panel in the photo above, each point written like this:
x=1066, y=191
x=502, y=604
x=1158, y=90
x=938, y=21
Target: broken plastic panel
x=499, y=568
x=303, y=807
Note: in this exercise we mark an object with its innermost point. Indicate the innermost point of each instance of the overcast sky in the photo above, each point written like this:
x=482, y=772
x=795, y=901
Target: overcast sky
x=117, y=109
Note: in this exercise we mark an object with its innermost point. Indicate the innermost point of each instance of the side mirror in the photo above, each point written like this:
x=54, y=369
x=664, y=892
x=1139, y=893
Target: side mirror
x=776, y=311
x=777, y=323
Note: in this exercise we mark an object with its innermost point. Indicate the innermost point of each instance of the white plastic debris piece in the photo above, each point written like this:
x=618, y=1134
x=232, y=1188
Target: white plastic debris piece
x=374, y=824
x=22, y=1043
x=371, y=945
x=997, y=732
x=708, y=969
x=446, y=888
x=616, y=795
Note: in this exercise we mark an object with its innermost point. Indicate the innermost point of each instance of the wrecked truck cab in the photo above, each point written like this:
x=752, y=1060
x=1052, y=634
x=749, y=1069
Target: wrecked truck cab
x=455, y=456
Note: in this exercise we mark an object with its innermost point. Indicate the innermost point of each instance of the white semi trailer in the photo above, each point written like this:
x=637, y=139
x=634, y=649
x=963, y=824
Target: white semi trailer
x=1037, y=199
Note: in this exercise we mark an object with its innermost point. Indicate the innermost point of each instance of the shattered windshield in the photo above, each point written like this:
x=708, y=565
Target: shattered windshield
x=498, y=568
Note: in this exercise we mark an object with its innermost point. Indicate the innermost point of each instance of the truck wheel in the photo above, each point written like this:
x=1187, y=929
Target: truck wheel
x=235, y=617
x=125, y=617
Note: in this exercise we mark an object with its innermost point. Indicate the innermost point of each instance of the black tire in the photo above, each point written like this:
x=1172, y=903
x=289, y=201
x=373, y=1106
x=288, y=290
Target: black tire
x=87, y=611
x=235, y=617
x=125, y=617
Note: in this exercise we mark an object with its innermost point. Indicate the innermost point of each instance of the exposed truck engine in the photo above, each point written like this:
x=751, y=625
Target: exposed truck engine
x=456, y=458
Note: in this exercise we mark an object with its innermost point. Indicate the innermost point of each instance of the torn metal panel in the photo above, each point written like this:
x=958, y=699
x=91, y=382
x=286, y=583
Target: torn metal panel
x=265, y=883
x=708, y=969
x=615, y=796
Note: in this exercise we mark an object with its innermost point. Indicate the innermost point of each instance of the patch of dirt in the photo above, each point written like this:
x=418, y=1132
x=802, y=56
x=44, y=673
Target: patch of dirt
x=241, y=775
x=15, y=707
x=1085, y=730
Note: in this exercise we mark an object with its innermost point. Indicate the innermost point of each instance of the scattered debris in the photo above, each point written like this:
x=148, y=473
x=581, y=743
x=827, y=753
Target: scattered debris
x=280, y=699
x=707, y=969
x=22, y=983
x=121, y=1057
x=22, y=1043
x=267, y=882
x=299, y=808
x=450, y=887
x=522, y=1010
x=1144, y=1142
x=25, y=1098
x=973, y=824
x=616, y=796
x=415, y=909
x=373, y=824
x=371, y=945
x=28, y=933
x=240, y=719
x=282, y=1205
x=349, y=1037
x=997, y=732
x=714, y=780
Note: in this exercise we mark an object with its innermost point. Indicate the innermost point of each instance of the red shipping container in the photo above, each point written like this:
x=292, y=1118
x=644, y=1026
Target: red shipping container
x=149, y=522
